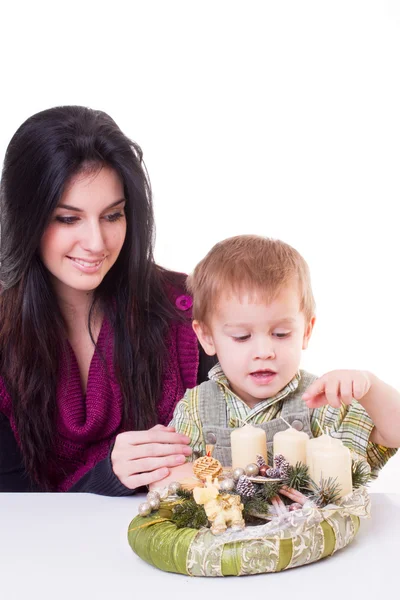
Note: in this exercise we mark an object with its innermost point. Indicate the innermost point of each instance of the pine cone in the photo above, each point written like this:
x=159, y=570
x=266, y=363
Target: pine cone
x=278, y=460
x=260, y=461
x=273, y=473
x=245, y=487
x=284, y=469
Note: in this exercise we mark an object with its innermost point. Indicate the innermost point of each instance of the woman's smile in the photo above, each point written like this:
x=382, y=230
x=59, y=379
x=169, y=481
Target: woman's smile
x=87, y=266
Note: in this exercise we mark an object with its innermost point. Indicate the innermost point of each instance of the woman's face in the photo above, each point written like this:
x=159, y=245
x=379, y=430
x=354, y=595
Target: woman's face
x=86, y=232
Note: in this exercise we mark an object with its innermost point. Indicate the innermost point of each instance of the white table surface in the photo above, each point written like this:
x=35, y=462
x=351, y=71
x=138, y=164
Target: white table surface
x=75, y=546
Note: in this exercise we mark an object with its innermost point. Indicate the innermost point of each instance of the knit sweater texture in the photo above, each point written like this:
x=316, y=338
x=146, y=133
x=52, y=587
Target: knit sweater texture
x=87, y=424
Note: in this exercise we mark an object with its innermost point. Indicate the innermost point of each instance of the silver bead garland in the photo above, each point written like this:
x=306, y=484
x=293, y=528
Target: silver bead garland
x=153, y=495
x=144, y=509
x=227, y=485
x=154, y=503
x=164, y=493
x=174, y=487
x=238, y=472
x=251, y=470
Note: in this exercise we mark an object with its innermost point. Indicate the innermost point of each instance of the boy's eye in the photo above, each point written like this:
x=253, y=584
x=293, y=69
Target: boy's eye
x=67, y=220
x=281, y=334
x=241, y=338
x=114, y=217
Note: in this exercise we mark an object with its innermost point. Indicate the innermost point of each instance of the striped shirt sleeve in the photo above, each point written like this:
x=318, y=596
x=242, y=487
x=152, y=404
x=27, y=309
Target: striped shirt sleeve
x=186, y=420
x=352, y=425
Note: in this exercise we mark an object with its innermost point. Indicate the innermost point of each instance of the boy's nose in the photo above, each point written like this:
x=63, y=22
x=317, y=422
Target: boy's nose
x=265, y=351
x=266, y=355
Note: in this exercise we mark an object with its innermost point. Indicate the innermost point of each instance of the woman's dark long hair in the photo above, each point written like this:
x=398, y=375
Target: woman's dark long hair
x=46, y=151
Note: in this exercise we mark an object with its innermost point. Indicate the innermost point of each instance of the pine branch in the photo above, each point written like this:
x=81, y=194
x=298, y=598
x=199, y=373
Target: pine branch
x=185, y=494
x=269, y=490
x=297, y=477
x=326, y=492
x=361, y=473
x=189, y=514
x=256, y=507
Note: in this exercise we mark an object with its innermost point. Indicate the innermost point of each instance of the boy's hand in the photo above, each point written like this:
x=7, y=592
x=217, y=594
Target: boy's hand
x=336, y=387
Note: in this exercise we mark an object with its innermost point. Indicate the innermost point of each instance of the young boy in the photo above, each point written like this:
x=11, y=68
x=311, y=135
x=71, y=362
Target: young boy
x=253, y=307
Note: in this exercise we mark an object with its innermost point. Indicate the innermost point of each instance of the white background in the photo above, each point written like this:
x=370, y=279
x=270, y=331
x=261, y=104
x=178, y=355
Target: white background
x=276, y=118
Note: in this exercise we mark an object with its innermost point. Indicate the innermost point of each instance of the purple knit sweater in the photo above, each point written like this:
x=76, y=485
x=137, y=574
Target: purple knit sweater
x=87, y=425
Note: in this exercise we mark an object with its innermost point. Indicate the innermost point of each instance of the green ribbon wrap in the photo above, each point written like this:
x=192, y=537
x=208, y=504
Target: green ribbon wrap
x=292, y=540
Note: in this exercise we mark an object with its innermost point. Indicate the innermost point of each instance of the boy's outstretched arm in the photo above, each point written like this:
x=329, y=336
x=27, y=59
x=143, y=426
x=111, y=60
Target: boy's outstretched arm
x=382, y=403
x=380, y=400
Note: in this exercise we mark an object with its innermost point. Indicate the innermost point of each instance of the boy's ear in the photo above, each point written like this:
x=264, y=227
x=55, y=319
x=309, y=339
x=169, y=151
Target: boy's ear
x=205, y=338
x=307, y=333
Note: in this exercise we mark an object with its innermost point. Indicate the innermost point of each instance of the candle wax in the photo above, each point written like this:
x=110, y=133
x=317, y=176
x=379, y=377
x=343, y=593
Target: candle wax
x=329, y=457
x=292, y=445
x=246, y=443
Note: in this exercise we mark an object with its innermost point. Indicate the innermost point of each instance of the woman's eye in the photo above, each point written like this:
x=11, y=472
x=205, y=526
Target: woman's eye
x=114, y=217
x=241, y=338
x=67, y=220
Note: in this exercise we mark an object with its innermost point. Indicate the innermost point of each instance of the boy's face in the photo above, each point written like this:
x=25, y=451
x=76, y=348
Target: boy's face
x=258, y=345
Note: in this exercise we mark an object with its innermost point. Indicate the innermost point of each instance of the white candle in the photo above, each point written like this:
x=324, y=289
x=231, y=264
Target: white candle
x=246, y=443
x=292, y=445
x=329, y=457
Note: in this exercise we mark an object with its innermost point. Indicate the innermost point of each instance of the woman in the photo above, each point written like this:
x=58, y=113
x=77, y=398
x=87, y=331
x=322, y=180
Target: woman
x=96, y=344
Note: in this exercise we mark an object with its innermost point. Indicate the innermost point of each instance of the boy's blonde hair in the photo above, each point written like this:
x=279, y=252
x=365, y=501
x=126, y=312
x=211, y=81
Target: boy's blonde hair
x=251, y=265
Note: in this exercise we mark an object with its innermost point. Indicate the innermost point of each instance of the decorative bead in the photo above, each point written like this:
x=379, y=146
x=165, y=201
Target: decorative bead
x=153, y=495
x=144, y=509
x=174, y=487
x=251, y=470
x=238, y=472
x=164, y=493
x=263, y=470
x=227, y=485
x=154, y=503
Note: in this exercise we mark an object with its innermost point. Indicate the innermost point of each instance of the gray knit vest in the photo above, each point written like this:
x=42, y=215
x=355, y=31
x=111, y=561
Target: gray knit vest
x=214, y=418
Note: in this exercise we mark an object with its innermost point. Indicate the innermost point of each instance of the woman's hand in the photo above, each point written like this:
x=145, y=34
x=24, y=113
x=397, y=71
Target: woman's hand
x=182, y=474
x=143, y=457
